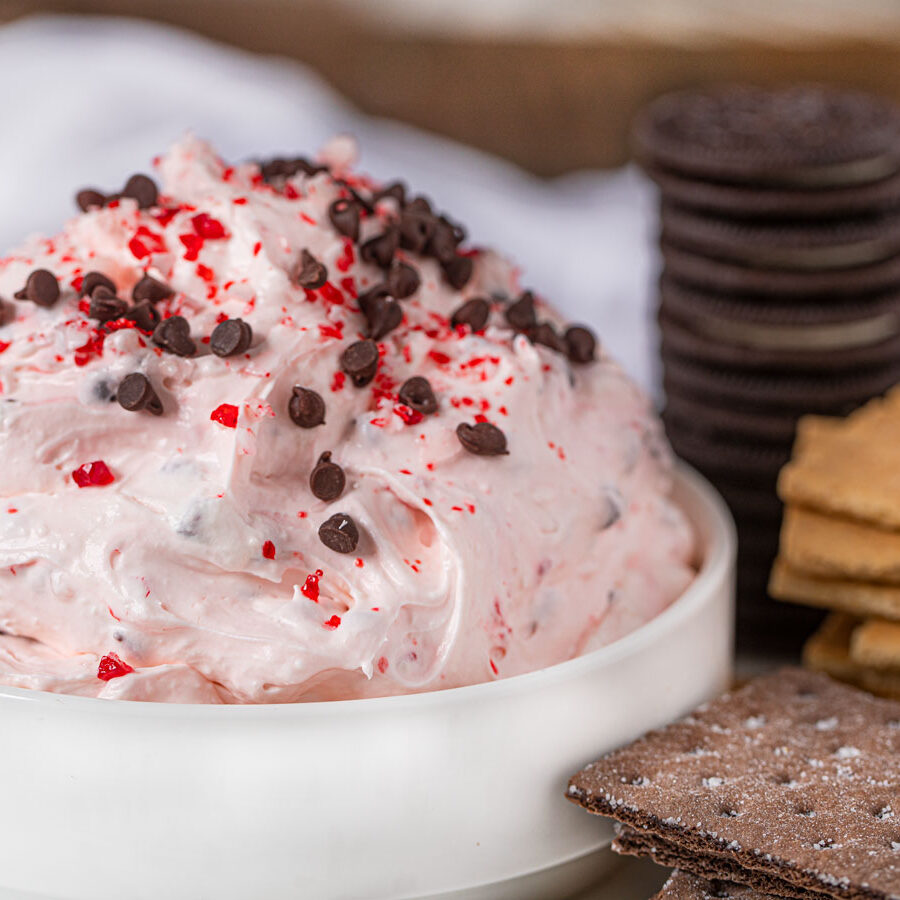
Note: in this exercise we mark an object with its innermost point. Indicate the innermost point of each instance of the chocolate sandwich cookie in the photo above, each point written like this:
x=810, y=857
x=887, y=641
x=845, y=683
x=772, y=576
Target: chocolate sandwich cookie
x=690, y=303
x=828, y=393
x=729, y=277
x=741, y=345
x=728, y=422
x=794, y=247
x=748, y=201
x=808, y=137
x=740, y=463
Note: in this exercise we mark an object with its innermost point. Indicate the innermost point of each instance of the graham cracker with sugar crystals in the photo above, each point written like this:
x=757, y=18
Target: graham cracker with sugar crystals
x=682, y=886
x=829, y=547
x=860, y=598
x=789, y=786
x=849, y=469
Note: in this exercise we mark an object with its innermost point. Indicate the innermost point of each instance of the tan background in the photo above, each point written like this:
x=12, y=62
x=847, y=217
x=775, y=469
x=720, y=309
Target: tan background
x=552, y=102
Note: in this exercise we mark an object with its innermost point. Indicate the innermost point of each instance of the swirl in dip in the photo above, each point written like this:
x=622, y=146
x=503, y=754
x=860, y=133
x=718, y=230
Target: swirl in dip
x=170, y=527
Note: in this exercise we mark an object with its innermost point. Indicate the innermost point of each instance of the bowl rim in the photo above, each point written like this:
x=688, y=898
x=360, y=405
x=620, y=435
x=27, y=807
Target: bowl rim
x=718, y=560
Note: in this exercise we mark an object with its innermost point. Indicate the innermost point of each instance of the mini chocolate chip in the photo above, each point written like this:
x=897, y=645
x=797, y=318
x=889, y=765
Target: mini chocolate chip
x=309, y=273
x=94, y=280
x=360, y=361
x=344, y=215
x=415, y=229
x=231, y=337
x=363, y=201
x=41, y=287
x=416, y=392
x=395, y=190
x=142, y=189
x=548, y=336
x=174, y=334
x=306, y=408
x=327, y=479
x=442, y=243
x=278, y=168
x=380, y=249
x=580, y=343
x=105, y=305
x=420, y=205
x=144, y=315
x=482, y=439
x=383, y=315
x=150, y=289
x=520, y=314
x=402, y=280
x=136, y=393
x=90, y=199
x=458, y=271
x=339, y=533
x=367, y=299
x=474, y=313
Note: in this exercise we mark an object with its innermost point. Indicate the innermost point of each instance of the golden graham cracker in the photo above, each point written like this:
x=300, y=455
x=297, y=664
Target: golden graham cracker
x=829, y=547
x=859, y=598
x=849, y=469
x=828, y=650
x=876, y=643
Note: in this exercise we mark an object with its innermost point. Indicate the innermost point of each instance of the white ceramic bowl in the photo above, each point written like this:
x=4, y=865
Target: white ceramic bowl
x=456, y=793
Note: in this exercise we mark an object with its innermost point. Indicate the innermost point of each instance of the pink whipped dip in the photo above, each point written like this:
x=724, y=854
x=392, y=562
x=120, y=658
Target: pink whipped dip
x=175, y=557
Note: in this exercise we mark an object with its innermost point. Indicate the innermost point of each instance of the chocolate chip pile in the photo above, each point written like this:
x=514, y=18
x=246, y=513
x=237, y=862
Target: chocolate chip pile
x=411, y=227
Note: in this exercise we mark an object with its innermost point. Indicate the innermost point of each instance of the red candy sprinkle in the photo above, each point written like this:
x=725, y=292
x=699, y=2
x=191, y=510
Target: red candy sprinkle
x=257, y=247
x=337, y=383
x=207, y=227
x=205, y=272
x=164, y=216
x=226, y=414
x=4, y=346
x=335, y=331
x=93, y=474
x=345, y=260
x=192, y=246
x=410, y=416
x=382, y=664
x=440, y=358
x=310, y=589
x=331, y=294
x=268, y=550
x=146, y=242
x=112, y=667
x=332, y=623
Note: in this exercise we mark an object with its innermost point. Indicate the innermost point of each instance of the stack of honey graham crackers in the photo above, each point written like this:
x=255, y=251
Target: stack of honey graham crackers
x=840, y=541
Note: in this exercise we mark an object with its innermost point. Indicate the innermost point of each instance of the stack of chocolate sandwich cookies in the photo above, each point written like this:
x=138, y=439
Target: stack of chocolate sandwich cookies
x=780, y=289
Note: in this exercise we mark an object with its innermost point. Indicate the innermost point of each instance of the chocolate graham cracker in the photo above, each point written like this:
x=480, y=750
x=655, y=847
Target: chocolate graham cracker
x=682, y=886
x=787, y=786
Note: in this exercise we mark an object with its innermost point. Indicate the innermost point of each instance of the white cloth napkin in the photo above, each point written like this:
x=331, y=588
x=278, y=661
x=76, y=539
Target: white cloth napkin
x=88, y=101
